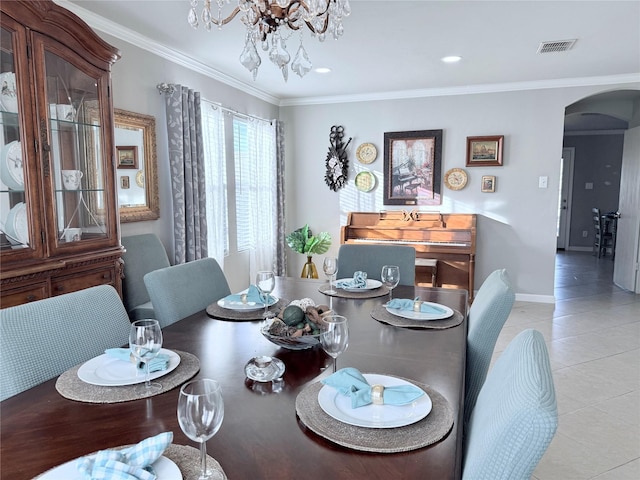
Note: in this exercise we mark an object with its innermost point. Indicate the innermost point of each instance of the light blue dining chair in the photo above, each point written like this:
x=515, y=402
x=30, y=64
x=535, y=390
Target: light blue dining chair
x=182, y=290
x=371, y=259
x=43, y=339
x=144, y=253
x=489, y=310
x=516, y=415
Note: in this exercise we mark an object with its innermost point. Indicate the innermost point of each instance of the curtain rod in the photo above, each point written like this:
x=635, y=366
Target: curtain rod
x=170, y=88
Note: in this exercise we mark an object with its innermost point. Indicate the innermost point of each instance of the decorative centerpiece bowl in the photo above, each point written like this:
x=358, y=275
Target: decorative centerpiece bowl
x=292, y=343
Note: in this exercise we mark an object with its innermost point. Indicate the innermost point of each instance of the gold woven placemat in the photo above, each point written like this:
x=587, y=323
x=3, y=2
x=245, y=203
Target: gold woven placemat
x=376, y=292
x=381, y=314
x=216, y=311
x=71, y=387
x=188, y=461
x=431, y=429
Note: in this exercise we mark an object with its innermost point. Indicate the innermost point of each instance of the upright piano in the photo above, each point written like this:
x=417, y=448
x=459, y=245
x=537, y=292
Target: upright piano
x=444, y=241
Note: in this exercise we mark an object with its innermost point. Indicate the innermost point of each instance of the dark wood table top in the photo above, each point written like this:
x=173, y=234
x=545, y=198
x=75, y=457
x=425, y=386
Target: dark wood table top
x=261, y=436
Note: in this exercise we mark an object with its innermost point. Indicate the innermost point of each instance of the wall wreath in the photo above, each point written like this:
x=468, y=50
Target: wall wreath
x=337, y=163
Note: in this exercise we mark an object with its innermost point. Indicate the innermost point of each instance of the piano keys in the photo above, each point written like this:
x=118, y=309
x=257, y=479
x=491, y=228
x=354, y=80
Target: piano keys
x=450, y=239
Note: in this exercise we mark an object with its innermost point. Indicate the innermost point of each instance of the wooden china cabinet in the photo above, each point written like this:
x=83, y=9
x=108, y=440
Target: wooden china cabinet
x=58, y=209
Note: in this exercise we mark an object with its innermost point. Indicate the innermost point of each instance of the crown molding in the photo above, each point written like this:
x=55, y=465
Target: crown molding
x=107, y=26
x=583, y=133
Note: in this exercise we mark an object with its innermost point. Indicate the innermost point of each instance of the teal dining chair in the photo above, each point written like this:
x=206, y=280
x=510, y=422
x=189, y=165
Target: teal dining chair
x=182, y=290
x=371, y=259
x=144, y=253
x=489, y=310
x=516, y=414
x=42, y=339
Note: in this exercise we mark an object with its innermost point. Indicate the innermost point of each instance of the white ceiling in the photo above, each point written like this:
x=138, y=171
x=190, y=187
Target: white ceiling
x=392, y=49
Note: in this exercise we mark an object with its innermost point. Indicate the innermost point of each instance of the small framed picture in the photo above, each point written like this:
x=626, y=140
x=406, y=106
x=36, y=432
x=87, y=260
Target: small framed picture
x=124, y=182
x=488, y=183
x=484, y=151
x=127, y=156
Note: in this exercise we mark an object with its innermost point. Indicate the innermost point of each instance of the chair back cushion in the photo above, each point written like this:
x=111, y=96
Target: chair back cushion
x=489, y=310
x=516, y=415
x=182, y=290
x=42, y=339
x=144, y=253
x=371, y=259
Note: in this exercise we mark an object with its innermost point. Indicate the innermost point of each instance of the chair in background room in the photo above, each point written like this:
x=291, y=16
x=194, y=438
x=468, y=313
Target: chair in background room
x=144, y=253
x=371, y=259
x=182, y=290
x=516, y=415
x=489, y=310
x=602, y=239
x=42, y=339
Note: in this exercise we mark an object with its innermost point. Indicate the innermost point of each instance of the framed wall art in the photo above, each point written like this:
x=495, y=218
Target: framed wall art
x=412, y=167
x=488, y=184
x=484, y=151
x=124, y=182
x=127, y=156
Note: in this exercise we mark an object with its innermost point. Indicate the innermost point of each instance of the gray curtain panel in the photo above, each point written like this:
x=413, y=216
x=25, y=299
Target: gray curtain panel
x=281, y=257
x=186, y=153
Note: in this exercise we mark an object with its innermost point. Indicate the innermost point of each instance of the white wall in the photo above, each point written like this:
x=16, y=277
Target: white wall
x=516, y=224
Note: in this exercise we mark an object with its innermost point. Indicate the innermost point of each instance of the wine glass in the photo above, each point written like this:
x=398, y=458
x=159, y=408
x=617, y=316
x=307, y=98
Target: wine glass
x=390, y=277
x=145, y=340
x=266, y=282
x=330, y=267
x=335, y=338
x=200, y=414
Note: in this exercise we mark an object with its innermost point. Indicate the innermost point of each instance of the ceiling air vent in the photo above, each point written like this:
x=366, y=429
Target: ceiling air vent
x=556, y=46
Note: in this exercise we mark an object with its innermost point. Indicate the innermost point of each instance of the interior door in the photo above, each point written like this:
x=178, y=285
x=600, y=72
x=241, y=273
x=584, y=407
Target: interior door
x=565, y=194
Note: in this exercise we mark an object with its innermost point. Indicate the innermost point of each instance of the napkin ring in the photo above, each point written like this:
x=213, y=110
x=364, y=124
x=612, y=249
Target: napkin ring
x=243, y=297
x=377, y=394
x=416, y=305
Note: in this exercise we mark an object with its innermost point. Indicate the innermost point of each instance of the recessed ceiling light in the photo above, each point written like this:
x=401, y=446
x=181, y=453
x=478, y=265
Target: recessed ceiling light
x=451, y=59
x=322, y=70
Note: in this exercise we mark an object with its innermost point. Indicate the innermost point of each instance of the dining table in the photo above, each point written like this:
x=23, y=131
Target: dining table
x=261, y=435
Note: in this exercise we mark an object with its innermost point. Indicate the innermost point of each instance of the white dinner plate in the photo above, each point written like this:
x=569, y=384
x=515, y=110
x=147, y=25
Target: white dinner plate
x=371, y=285
x=237, y=305
x=108, y=371
x=446, y=312
x=165, y=470
x=338, y=406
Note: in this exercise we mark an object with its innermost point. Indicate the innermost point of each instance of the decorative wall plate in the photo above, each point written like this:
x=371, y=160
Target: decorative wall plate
x=365, y=181
x=140, y=178
x=455, y=179
x=366, y=153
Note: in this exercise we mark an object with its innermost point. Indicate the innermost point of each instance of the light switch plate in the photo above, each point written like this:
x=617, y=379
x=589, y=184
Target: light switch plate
x=543, y=182
x=588, y=186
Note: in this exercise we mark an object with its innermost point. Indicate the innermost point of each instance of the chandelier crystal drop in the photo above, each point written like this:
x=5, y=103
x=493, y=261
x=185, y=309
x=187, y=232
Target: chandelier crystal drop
x=271, y=23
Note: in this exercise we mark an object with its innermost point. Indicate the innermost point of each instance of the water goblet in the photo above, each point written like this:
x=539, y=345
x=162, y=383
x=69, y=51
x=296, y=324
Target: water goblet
x=330, y=267
x=390, y=276
x=335, y=337
x=266, y=282
x=200, y=414
x=145, y=340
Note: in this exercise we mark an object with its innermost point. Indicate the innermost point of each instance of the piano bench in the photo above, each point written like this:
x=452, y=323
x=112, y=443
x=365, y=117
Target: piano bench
x=431, y=263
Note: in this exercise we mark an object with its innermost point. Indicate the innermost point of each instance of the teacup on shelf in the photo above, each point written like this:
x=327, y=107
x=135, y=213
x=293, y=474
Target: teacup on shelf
x=71, y=179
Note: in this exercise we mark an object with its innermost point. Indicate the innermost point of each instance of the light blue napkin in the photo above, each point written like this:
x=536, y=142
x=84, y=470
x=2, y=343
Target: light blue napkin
x=157, y=363
x=407, y=304
x=133, y=463
x=253, y=296
x=359, y=281
x=350, y=382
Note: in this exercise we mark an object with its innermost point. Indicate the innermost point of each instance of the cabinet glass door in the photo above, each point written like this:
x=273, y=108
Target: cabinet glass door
x=14, y=212
x=75, y=151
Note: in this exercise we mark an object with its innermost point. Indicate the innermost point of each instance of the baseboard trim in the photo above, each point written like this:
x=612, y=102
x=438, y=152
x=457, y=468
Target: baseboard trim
x=526, y=297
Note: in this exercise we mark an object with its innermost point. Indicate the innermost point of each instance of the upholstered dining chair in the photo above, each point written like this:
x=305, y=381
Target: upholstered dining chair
x=602, y=239
x=42, y=339
x=371, y=259
x=182, y=290
x=516, y=415
x=489, y=310
x=144, y=253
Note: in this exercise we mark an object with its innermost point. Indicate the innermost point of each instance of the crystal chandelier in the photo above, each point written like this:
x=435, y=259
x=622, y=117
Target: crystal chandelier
x=271, y=23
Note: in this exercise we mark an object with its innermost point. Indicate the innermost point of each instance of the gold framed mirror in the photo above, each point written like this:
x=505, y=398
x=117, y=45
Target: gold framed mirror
x=136, y=169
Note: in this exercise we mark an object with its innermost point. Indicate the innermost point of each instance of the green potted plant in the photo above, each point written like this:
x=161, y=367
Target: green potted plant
x=304, y=242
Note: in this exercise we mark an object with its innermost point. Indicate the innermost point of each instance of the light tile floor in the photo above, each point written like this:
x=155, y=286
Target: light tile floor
x=593, y=337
